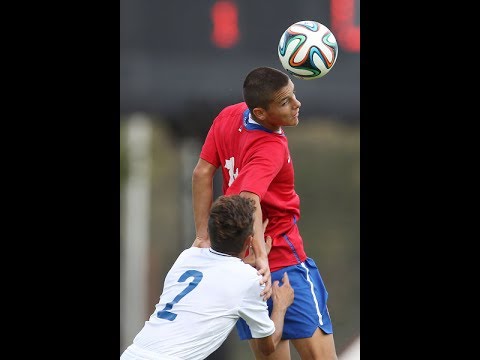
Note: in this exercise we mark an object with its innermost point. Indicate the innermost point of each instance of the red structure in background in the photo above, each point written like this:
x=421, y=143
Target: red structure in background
x=225, y=34
x=342, y=14
x=224, y=16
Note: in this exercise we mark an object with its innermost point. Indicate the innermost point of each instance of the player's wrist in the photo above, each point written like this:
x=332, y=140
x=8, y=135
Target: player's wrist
x=202, y=237
x=262, y=257
x=201, y=242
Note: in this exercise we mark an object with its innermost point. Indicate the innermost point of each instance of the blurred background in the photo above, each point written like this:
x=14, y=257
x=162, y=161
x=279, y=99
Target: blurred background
x=181, y=62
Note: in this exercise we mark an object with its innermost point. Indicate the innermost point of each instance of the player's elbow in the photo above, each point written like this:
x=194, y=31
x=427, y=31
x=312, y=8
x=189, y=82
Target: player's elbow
x=202, y=171
x=198, y=173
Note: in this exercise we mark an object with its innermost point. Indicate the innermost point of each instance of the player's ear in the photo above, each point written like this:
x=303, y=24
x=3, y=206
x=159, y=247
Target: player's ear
x=259, y=113
x=248, y=244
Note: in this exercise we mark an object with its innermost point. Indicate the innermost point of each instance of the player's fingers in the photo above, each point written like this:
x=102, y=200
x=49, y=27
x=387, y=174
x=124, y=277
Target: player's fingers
x=265, y=279
x=265, y=223
x=285, y=278
x=267, y=292
x=267, y=282
x=267, y=288
x=265, y=272
x=268, y=244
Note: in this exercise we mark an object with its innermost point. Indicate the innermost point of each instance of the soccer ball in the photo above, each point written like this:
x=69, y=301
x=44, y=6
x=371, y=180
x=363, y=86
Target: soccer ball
x=308, y=50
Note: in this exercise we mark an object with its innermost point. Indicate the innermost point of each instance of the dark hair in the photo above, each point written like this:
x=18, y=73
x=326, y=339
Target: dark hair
x=230, y=223
x=261, y=84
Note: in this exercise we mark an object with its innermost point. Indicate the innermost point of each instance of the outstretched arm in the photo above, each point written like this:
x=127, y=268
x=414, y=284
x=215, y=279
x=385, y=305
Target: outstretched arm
x=202, y=197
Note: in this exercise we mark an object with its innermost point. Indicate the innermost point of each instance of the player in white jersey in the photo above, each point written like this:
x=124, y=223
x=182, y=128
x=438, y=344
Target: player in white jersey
x=208, y=289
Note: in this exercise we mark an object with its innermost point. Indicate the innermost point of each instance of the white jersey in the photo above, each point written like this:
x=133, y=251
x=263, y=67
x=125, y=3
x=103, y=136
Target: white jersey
x=204, y=294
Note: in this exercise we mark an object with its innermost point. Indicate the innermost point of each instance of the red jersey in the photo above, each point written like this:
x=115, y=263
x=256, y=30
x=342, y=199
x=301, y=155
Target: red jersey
x=258, y=160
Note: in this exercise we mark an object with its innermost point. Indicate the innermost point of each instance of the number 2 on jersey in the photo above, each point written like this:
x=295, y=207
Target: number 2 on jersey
x=197, y=277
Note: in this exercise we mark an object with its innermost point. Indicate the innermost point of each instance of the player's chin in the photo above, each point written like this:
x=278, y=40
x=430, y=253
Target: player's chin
x=291, y=121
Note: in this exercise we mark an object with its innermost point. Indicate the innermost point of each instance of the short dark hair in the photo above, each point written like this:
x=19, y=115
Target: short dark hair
x=260, y=85
x=230, y=223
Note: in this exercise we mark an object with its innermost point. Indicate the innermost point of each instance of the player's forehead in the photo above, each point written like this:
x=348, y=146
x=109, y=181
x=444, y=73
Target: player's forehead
x=284, y=92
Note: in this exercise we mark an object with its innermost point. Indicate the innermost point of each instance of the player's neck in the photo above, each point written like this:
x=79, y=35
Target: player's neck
x=253, y=120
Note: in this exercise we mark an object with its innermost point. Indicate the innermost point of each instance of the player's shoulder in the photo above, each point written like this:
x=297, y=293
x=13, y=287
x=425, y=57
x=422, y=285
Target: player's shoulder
x=249, y=280
x=195, y=250
x=190, y=252
x=268, y=142
x=247, y=272
x=234, y=109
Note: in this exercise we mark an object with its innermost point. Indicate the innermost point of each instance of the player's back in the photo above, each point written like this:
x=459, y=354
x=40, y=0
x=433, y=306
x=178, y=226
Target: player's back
x=204, y=294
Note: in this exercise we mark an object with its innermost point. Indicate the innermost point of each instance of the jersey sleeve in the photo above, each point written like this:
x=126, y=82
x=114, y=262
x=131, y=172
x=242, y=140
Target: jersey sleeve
x=254, y=311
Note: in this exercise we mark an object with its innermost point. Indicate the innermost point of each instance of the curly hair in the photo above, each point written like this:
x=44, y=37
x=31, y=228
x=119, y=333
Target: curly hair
x=230, y=223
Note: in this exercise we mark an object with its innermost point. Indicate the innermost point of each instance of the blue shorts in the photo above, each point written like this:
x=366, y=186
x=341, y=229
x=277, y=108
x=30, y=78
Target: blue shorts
x=309, y=309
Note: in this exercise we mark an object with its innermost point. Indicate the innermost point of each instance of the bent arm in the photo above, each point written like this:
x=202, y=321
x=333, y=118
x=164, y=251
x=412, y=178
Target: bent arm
x=202, y=198
x=282, y=297
x=268, y=344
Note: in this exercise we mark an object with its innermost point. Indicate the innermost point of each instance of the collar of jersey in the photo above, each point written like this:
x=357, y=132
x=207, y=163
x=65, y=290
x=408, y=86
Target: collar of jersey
x=218, y=253
x=253, y=126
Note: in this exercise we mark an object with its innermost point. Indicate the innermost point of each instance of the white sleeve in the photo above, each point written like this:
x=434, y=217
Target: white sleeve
x=254, y=311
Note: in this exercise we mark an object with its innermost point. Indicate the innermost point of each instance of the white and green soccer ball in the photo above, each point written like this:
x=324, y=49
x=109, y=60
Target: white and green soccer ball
x=308, y=50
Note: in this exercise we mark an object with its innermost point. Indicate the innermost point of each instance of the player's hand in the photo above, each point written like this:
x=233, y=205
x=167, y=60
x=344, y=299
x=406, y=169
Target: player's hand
x=201, y=242
x=283, y=295
x=261, y=264
x=264, y=269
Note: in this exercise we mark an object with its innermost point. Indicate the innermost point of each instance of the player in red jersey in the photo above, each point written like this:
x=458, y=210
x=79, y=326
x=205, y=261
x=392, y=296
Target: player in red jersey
x=247, y=142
